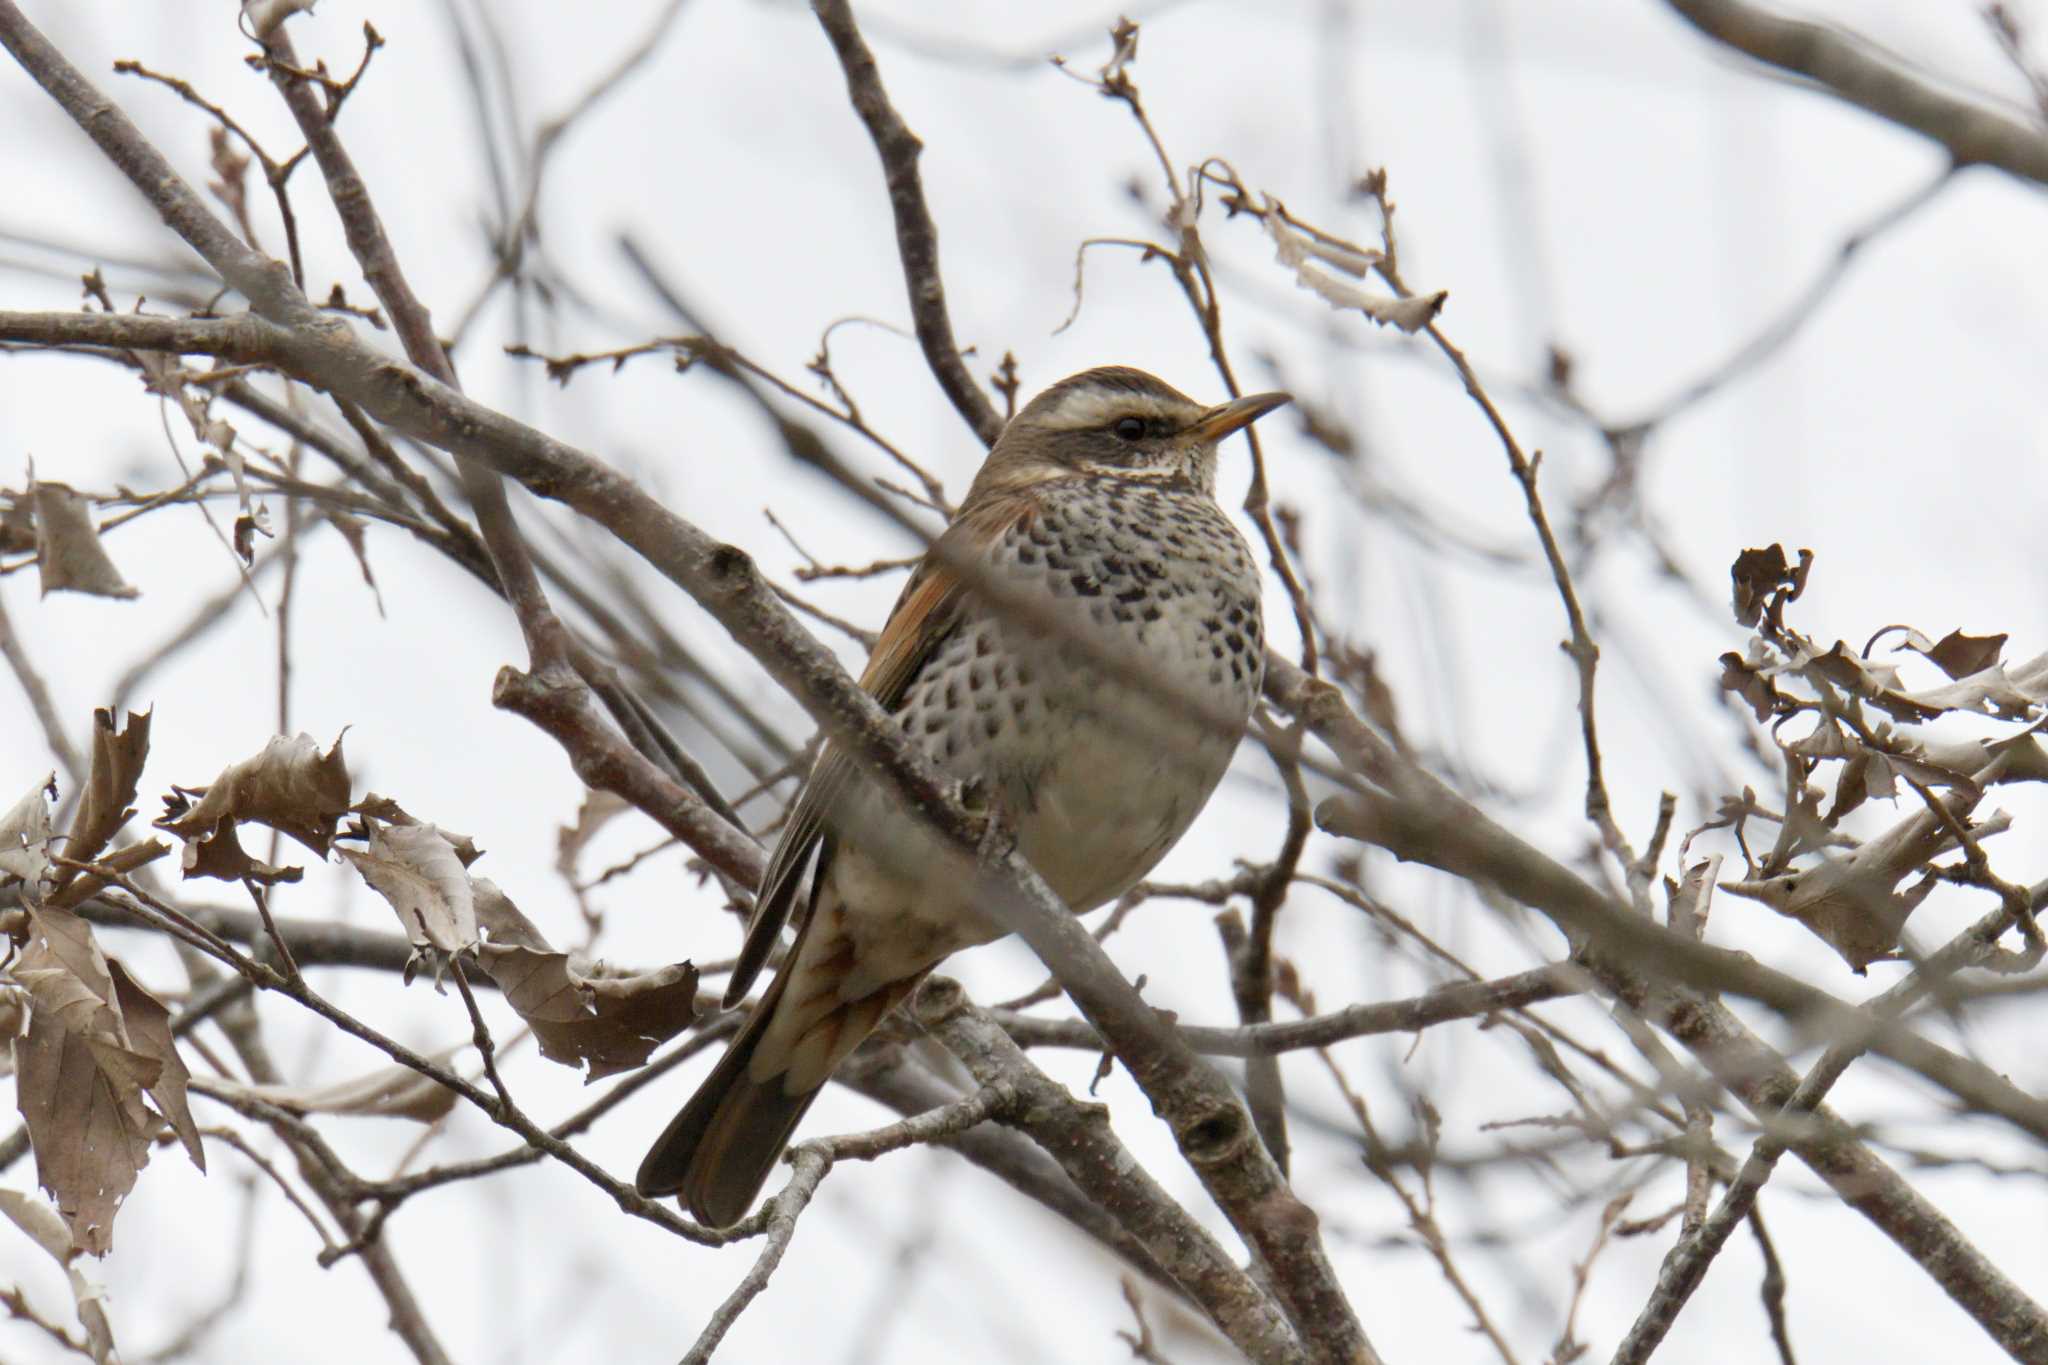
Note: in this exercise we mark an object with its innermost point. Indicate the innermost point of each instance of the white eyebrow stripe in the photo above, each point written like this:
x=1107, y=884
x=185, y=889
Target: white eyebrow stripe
x=1087, y=408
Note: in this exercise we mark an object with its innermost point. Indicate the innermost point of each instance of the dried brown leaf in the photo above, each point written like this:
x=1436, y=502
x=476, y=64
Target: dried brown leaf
x=598, y=810
x=148, y=1026
x=612, y=1024
x=393, y=1092
x=391, y=813
x=25, y=834
x=354, y=533
x=1757, y=573
x=291, y=786
x=81, y=1076
x=418, y=870
x=104, y=806
x=69, y=556
x=1858, y=904
x=17, y=522
x=1742, y=677
x=581, y=1018
x=503, y=922
x=1989, y=691
x=1960, y=655
x=221, y=855
x=43, y=1227
x=1878, y=684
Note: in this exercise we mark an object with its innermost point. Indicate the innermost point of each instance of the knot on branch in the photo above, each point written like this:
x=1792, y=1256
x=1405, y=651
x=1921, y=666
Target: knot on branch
x=732, y=566
x=1216, y=1132
x=937, y=1000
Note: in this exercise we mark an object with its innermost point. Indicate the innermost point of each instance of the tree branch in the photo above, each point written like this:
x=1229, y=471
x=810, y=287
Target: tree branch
x=1859, y=74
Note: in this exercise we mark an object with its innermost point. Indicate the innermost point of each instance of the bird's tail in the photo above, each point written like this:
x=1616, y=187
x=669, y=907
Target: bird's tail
x=717, y=1152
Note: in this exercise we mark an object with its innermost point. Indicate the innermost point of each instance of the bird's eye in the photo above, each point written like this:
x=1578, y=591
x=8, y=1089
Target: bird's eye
x=1129, y=428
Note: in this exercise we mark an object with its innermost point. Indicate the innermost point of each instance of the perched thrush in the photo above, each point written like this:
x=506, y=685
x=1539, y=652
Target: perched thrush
x=1097, y=508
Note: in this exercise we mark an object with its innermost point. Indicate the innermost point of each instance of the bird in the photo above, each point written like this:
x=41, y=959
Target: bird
x=1096, y=509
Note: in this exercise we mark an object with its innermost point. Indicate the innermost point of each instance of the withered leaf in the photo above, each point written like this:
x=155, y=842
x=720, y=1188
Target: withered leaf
x=1860, y=917
x=1960, y=655
x=82, y=1103
x=1305, y=255
x=1877, y=684
x=1856, y=904
x=611, y=1023
x=68, y=551
x=502, y=921
x=65, y=973
x=17, y=522
x=221, y=855
x=1742, y=678
x=395, y=1092
x=354, y=533
x=291, y=786
x=96, y=1042
x=599, y=808
x=47, y=1230
x=417, y=870
x=1756, y=574
x=1989, y=691
x=1852, y=787
x=149, y=1033
x=25, y=835
x=391, y=813
x=104, y=806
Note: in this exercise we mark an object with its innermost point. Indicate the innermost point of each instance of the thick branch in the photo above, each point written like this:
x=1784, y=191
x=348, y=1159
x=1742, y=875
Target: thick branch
x=1864, y=76
x=1078, y=1136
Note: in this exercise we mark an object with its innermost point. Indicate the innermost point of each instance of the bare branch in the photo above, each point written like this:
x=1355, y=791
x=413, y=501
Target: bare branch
x=1859, y=74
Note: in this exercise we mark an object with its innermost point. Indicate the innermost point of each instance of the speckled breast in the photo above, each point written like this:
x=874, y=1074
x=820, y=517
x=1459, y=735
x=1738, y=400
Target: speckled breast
x=1100, y=772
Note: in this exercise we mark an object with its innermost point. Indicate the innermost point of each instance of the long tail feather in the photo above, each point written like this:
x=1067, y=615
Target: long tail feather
x=716, y=1153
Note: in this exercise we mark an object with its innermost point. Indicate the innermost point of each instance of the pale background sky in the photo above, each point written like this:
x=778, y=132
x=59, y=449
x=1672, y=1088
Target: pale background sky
x=1587, y=172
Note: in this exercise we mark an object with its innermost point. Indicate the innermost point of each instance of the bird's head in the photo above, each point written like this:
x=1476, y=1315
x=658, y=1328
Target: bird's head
x=1121, y=422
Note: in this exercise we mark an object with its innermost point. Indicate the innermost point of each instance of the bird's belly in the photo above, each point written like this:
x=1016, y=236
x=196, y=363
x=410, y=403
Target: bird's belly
x=1110, y=805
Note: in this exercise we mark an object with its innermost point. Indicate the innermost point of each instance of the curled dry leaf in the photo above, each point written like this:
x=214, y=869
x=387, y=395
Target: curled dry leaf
x=356, y=535
x=419, y=871
x=96, y=1043
x=291, y=786
x=1305, y=255
x=598, y=810
x=105, y=805
x=1749, y=679
x=25, y=835
x=1957, y=654
x=1856, y=904
x=611, y=1024
x=391, y=813
x=47, y=1230
x=2008, y=693
x=581, y=1017
x=1756, y=574
x=392, y=1092
x=164, y=375
x=17, y=522
x=69, y=556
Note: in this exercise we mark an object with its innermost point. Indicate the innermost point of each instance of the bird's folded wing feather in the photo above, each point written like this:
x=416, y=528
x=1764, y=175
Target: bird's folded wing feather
x=926, y=613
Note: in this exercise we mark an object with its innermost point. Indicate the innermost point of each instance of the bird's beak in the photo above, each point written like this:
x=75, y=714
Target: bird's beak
x=1219, y=421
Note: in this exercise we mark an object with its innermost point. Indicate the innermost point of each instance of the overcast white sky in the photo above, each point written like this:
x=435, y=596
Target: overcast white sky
x=1584, y=172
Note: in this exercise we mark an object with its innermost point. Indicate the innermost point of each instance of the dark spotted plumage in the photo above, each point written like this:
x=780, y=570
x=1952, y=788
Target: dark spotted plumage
x=1097, y=510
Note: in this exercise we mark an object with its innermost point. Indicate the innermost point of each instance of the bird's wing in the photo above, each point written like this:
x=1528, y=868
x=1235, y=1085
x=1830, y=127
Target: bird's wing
x=925, y=615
